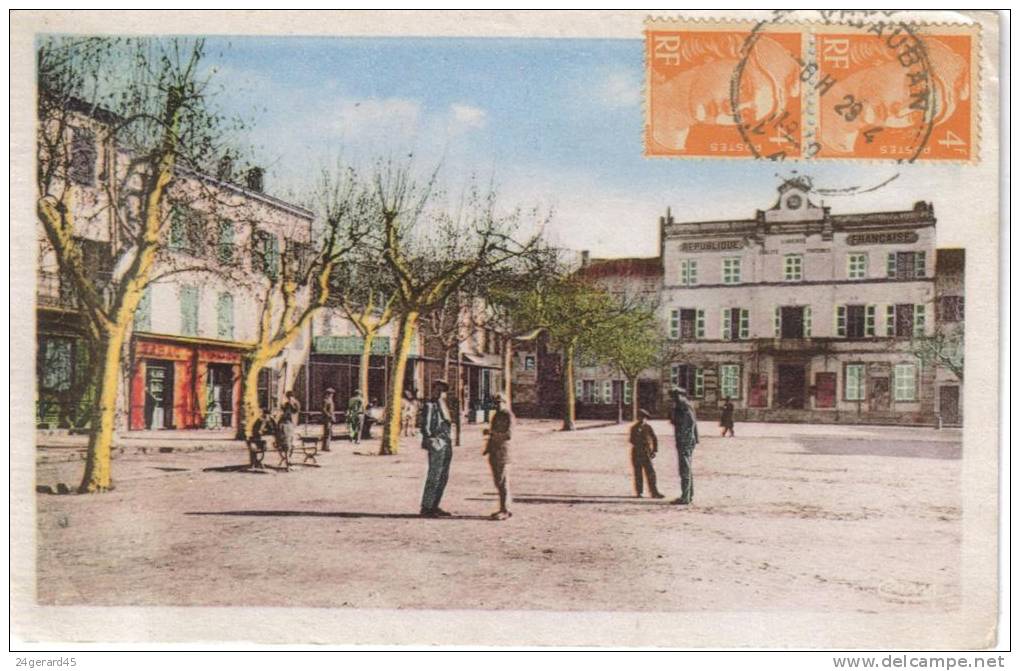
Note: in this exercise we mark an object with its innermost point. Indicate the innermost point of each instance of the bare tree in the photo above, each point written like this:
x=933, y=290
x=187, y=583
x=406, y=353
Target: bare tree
x=298, y=283
x=431, y=252
x=136, y=112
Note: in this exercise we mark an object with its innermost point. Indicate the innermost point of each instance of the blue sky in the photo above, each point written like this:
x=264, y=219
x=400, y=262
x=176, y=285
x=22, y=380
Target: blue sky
x=554, y=122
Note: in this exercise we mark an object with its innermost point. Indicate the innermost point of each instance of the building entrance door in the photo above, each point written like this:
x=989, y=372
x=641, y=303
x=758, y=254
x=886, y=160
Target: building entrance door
x=878, y=394
x=159, y=395
x=220, y=401
x=949, y=404
x=791, y=384
x=648, y=395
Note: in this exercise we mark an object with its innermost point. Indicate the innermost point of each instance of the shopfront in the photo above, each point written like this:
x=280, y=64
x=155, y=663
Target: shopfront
x=184, y=383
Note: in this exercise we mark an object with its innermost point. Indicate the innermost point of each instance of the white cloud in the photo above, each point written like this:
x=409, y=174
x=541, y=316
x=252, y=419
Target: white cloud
x=468, y=115
x=619, y=89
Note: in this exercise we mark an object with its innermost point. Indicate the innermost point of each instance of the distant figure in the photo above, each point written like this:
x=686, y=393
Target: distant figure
x=369, y=417
x=290, y=412
x=408, y=414
x=355, y=408
x=685, y=429
x=328, y=410
x=435, y=437
x=644, y=447
x=497, y=447
x=726, y=419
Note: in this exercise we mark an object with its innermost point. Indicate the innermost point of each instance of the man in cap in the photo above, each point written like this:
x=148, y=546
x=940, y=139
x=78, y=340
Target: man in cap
x=328, y=410
x=435, y=438
x=497, y=447
x=644, y=447
x=685, y=429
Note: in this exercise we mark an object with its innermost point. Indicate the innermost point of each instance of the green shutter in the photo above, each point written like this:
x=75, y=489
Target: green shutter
x=699, y=332
x=869, y=320
x=143, y=313
x=225, y=316
x=189, y=311
x=225, y=243
x=745, y=324
x=807, y=321
x=920, y=314
x=726, y=330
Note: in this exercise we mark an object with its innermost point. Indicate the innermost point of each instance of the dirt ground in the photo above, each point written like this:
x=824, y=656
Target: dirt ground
x=785, y=517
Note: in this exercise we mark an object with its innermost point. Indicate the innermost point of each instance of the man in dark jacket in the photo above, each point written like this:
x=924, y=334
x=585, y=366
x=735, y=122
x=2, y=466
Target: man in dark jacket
x=685, y=430
x=644, y=447
x=435, y=438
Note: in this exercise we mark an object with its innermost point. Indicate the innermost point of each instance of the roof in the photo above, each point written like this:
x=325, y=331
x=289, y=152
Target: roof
x=650, y=266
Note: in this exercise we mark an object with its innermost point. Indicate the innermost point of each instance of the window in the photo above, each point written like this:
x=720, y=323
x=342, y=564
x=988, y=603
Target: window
x=189, y=311
x=905, y=265
x=793, y=321
x=266, y=252
x=690, y=378
x=588, y=391
x=857, y=266
x=529, y=363
x=143, y=313
x=729, y=380
x=853, y=382
x=55, y=364
x=225, y=316
x=82, y=169
x=951, y=308
x=731, y=270
x=688, y=272
x=736, y=324
x=627, y=392
x=607, y=391
x=793, y=267
x=855, y=321
x=225, y=242
x=904, y=382
x=758, y=390
x=186, y=231
x=904, y=320
x=686, y=324
x=920, y=319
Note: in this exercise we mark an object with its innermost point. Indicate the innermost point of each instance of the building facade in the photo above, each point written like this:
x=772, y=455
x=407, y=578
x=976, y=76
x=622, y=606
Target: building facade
x=198, y=315
x=799, y=314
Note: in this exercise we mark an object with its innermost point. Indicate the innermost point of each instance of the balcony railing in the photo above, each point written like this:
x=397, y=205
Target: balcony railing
x=53, y=291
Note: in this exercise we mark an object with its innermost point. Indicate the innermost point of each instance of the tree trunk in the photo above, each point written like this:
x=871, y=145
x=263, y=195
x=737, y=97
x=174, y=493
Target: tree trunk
x=97, y=460
x=568, y=388
x=633, y=399
x=250, y=398
x=391, y=425
x=508, y=387
x=366, y=358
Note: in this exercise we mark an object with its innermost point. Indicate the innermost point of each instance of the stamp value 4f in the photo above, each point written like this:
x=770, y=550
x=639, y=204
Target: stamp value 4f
x=779, y=90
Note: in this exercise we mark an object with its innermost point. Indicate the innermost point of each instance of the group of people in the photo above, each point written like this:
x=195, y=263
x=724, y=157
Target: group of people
x=645, y=446
x=433, y=418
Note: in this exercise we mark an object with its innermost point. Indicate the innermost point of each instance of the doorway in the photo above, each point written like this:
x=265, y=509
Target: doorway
x=791, y=386
x=949, y=405
x=159, y=395
x=220, y=396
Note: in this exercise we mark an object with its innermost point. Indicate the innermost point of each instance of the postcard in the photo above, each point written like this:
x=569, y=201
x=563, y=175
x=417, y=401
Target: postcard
x=620, y=329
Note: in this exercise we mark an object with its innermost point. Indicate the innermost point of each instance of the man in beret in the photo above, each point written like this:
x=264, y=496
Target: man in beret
x=643, y=448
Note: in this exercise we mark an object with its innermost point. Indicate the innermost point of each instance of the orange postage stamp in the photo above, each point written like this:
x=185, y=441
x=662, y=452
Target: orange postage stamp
x=820, y=89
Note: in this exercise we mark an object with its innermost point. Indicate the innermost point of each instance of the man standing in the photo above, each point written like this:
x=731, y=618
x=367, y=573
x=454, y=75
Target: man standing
x=328, y=409
x=685, y=429
x=290, y=414
x=498, y=449
x=644, y=447
x=726, y=418
x=355, y=408
x=435, y=438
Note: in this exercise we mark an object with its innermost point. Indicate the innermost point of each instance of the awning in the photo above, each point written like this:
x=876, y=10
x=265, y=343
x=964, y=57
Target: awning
x=483, y=360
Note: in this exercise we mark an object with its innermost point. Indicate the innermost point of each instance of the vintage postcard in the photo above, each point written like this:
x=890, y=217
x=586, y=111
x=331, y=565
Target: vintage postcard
x=621, y=329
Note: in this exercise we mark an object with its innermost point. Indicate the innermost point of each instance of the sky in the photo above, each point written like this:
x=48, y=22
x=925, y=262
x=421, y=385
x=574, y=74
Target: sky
x=552, y=123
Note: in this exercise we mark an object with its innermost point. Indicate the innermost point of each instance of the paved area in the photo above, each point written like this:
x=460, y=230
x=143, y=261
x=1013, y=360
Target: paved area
x=803, y=517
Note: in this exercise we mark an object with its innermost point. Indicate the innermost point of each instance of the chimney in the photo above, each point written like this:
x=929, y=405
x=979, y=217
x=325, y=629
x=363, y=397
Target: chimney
x=585, y=258
x=225, y=168
x=253, y=179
